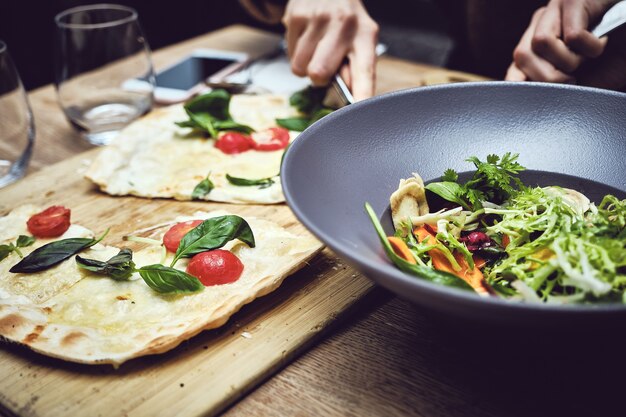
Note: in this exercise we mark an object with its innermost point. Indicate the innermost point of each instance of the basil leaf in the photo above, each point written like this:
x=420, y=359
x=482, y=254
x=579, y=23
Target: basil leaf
x=231, y=125
x=324, y=111
x=308, y=99
x=209, y=113
x=214, y=233
x=297, y=124
x=203, y=121
x=203, y=188
x=438, y=277
x=447, y=190
x=214, y=103
x=168, y=280
x=245, y=182
x=188, y=123
x=5, y=250
x=120, y=267
x=51, y=254
x=24, y=241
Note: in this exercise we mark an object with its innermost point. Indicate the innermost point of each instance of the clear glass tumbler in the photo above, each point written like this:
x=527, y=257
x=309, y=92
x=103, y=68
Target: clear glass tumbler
x=17, y=129
x=104, y=75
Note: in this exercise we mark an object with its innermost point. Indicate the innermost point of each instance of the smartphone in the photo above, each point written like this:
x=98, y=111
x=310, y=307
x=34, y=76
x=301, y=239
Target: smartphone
x=186, y=77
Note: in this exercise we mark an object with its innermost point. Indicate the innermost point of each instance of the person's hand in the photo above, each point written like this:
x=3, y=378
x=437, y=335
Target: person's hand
x=558, y=41
x=322, y=33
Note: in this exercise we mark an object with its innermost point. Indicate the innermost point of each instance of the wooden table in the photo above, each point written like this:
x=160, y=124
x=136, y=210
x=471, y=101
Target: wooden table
x=384, y=356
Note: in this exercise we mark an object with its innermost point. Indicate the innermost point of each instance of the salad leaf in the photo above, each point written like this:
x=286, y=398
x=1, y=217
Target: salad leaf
x=438, y=277
x=494, y=180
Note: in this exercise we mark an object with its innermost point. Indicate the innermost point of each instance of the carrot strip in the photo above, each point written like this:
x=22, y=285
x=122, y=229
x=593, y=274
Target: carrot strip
x=474, y=277
x=401, y=249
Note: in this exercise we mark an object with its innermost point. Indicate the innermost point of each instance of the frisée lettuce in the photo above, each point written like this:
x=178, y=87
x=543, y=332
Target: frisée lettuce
x=506, y=239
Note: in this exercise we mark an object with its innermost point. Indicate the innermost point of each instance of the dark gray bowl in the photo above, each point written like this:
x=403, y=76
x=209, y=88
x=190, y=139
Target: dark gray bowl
x=359, y=153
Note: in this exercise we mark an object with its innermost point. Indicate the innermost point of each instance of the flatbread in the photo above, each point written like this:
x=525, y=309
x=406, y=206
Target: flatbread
x=91, y=319
x=154, y=158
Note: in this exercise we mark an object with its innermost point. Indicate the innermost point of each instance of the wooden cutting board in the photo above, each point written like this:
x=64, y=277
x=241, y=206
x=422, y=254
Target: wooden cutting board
x=201, y=376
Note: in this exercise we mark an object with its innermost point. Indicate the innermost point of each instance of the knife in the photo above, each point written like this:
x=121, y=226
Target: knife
x=340, y=85
x=612, y=19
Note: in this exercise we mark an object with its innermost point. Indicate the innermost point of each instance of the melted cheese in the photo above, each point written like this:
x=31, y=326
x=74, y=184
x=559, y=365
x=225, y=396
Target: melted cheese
x=153, y=157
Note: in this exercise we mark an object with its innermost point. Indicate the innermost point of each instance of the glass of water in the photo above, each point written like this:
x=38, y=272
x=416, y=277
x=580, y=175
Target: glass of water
x=104, y=75
x=17, y=130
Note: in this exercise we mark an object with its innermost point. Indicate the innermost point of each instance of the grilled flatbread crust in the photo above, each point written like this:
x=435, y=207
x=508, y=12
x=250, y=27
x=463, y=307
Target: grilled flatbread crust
x=154, y=158
x=71, y=314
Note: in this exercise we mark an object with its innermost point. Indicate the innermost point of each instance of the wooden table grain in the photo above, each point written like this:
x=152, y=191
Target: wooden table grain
x=385, y=356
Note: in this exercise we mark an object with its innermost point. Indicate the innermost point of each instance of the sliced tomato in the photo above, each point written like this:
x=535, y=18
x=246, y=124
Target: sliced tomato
x=52, y=222
x=234, y=142
x=172, y=238
x=215, y=267
x=272, y=139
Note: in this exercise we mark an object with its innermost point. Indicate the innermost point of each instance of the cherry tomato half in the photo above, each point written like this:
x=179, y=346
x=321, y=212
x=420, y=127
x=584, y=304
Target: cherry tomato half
x=234, y=142
x=51, y=222
x=272, y=139
x=215, y=267
x=172, y=238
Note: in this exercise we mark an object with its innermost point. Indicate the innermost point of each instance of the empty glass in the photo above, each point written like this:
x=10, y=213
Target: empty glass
x=17, y=130
x=104, y=75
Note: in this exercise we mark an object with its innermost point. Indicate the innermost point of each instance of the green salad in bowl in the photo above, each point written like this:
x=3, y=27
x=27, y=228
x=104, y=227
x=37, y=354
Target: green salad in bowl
x=499, y=237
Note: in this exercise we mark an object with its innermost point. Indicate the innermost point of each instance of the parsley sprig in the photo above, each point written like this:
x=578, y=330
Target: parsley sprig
x=494, y=180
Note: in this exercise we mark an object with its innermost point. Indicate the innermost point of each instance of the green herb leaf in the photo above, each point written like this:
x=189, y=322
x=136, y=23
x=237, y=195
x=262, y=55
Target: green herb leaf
x=245, y=182
x=203, y=188
x=209, y=113
x=120, y=267
x=24, y=241
x=447, y=190
x=53, y=253
x=308, y=100
x=214, y=233
x=438, y=277
x=21, y=242
x=168, y=280
x=297, y=124
x=320, y=113
x=450, y=175
x=5, y=250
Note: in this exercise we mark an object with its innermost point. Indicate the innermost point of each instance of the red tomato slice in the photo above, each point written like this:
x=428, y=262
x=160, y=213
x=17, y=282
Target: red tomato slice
x=51, y=222
x=215, y=267
x=272, y=139
x=234, y=142
x=172, y=238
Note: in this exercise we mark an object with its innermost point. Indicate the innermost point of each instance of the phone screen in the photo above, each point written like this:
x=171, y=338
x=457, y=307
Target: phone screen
x=190, y=72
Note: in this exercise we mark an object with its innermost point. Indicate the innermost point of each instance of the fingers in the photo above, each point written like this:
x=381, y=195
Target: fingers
x=321, y=33
x=576, y=20
x=363, y=62
x=535, y=67
x=331, y=51
x=515, y=74
x=306, y=45
x=547, y=43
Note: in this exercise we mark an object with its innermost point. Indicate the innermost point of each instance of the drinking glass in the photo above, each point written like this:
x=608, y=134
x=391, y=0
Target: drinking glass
x=17, y=129
x=104, y=75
